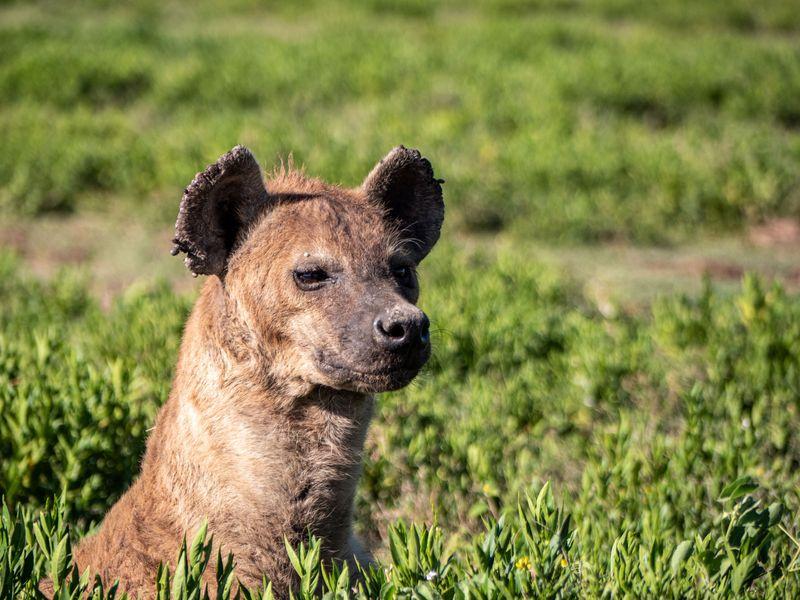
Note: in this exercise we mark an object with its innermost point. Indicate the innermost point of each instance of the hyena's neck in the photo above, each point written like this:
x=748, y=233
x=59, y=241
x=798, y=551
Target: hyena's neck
x=256, y=463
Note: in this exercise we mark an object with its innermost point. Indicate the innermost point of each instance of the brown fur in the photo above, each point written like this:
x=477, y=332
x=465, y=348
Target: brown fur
x=263, y=431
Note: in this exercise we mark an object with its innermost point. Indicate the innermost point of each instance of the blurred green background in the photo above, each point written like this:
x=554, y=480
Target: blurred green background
x=614, y=168
x=564, y=122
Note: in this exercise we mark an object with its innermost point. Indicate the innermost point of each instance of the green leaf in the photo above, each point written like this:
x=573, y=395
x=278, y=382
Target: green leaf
x=58, y=562
x=741, y=575
x=198, y=543
x=681, y=554
x=293, y=558
x=736, y=489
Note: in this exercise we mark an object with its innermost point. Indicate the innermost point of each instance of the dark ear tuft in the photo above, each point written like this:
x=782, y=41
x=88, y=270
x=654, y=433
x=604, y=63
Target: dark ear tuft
x=403, y=182
x=218, y=204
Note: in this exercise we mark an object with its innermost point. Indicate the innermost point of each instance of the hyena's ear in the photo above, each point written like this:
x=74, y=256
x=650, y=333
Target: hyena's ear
x=216, y=207
x=403, y=183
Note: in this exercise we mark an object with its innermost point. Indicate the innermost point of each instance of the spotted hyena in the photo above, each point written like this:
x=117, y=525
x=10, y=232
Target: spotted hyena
x=308, y=310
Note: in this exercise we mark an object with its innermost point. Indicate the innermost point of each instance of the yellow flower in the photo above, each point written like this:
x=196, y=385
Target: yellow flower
x=563, y=562
x=523, y=563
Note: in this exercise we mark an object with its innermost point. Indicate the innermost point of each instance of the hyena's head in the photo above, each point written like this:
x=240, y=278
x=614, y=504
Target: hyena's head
x=320, y=281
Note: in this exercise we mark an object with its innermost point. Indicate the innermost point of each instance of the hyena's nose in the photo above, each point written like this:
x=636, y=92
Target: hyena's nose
x=401, y=328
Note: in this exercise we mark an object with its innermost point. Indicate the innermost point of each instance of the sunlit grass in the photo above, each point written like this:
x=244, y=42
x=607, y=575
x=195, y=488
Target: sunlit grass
x=567, y=122
x=640, y=423
x=668, y=434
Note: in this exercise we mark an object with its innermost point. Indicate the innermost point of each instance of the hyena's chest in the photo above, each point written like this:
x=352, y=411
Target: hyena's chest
x=321, y=478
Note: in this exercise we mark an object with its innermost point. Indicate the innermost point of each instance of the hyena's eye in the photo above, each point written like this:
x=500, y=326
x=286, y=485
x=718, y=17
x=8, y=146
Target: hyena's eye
x=311, y=278
x=403, y=275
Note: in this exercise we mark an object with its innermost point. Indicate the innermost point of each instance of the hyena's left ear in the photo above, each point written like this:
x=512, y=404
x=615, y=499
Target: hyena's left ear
x=216, y=208
x=404, y=184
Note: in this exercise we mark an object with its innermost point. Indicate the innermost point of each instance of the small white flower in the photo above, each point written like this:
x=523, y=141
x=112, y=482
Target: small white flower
x=432, y=576
x=746, y=423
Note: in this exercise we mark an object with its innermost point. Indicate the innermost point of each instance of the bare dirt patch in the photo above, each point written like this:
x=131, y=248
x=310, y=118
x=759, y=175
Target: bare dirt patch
x=777, y=232
x=117, y=252
x=113, y=252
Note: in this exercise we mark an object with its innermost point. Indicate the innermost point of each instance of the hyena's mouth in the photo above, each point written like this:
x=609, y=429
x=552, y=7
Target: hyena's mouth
x=380, y=379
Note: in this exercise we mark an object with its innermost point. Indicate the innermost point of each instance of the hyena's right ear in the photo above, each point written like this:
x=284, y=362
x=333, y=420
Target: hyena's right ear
x=216, y=207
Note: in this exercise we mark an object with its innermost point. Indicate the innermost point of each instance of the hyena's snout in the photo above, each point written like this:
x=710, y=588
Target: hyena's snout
x=381, y=348
x=403, y=328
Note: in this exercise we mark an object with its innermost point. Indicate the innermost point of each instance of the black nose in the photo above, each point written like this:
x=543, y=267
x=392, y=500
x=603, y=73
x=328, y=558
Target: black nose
x=399, y=328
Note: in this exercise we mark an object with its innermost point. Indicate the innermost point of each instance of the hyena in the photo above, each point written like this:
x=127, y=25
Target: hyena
x=307, y=311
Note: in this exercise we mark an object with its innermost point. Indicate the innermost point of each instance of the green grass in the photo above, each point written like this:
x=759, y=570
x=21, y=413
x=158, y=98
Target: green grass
x=641, y=424
x=564, y=120
x=557, y=445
